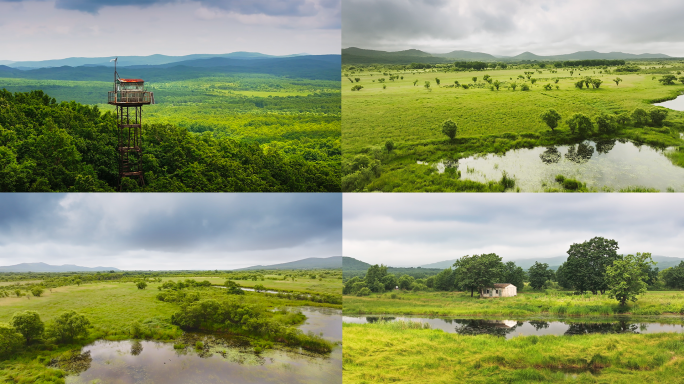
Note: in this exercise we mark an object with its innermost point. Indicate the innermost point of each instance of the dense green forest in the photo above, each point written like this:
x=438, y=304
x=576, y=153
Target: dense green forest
x=217, y=125
x=49, y=146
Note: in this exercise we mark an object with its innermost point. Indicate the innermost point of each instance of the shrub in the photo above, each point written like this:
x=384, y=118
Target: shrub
x=449, y=128
x=658, y=115
x=10, y=340
x=37, y=291
x=524, y=87
x=560, y=178
x=571, y=184
x=69, y=326
x=357, y=87
x=28, y=323
x=639, y=117
x=389, y=145
x=363, y=292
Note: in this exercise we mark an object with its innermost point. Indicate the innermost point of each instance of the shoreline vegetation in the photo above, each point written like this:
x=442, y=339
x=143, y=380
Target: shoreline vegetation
x=493, y=110
x=164, y=306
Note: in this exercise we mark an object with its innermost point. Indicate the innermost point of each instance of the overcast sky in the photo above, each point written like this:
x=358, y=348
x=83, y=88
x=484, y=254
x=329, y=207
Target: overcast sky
x=510, y=27
x=169, y=231
x=56, y=29
x=418, y=229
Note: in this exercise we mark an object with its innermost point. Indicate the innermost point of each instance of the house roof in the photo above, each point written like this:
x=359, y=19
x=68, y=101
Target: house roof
x=131, y=80
x=501, y=285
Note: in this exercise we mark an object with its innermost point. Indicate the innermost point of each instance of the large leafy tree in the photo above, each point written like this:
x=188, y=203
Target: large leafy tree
x=28, y=323
x=562, y=277
x=514, y=275
x=478, y=271
x=539, y=273
x=587, y=263
x=374, y=277
x=627, y=276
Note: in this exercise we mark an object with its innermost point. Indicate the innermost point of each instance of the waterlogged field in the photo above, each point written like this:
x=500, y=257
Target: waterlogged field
x=525, y=304
x=141, y=332
x=533, y=337
x=410, y=115
x=404, y=352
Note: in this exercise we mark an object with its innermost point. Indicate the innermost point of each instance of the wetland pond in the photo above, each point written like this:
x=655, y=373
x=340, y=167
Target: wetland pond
x=611, y=164
x=675, y=104
x=538, y=327
x=221, y=360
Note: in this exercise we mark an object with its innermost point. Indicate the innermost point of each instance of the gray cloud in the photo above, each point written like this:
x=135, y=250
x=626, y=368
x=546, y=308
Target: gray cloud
x=510, y=27
x=412, y=230
x=169, y=231
x=53, y=29
x=247, y=7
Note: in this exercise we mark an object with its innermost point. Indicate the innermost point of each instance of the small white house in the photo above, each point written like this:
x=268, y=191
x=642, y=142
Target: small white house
x=500, y=290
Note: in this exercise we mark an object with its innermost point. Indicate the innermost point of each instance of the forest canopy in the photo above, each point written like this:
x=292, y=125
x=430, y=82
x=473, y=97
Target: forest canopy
x=48, y=146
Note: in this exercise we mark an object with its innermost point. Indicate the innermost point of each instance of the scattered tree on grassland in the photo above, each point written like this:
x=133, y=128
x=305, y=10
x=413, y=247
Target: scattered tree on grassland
x=28, y=323
x=551, y=118
x=639, y=117
x=606, y=123
x=449, y=128
x=514, y=275
x=617, y=81
x=657, y=116
x=69, y=326
x=627, y=276
x=668, y=79
x=580, y=124
x=141, y=285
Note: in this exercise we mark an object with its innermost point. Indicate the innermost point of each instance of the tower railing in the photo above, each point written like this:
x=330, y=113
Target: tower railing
x=129, y=97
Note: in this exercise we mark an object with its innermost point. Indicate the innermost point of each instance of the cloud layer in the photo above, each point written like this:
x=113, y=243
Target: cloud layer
x=54, y=29
x=510, y=27
x=169, y=231
x=417, y=229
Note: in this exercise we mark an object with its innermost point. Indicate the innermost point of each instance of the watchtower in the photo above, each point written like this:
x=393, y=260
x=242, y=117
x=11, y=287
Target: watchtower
x=129, y=95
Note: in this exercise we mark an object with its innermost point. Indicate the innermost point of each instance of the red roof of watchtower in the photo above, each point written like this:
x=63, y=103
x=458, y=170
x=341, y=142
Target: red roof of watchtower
x=131, y=80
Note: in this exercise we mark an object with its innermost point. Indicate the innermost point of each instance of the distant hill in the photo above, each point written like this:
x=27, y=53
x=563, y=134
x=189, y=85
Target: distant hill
x=467, y=56
x=324, y=67
x=355, y=55
x=555, y=262
x=42, y=267
x=309, y=263
x=350, y=263
x=134, y=60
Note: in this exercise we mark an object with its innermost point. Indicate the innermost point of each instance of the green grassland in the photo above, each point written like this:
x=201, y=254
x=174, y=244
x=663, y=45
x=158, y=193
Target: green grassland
x=396, y=352
x=489, y=121
x=531, y=303
x=113, y=307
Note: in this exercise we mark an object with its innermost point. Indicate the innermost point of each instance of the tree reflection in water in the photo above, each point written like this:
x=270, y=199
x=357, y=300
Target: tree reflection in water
x=486, y=327
x=588, y=328
x=550, y=155
x=136, y=347
x=73, y=362
x=581, y=154
x=539, y=324
x=604, y=146
x=375, y=319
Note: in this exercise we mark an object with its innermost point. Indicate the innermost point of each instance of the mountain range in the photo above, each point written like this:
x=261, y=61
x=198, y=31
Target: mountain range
x=355, y=55
x=332, y=262
x=134, y=60
x=325, y=67
x=42, y=267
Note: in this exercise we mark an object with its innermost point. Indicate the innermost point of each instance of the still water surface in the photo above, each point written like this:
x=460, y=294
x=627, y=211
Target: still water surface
x=512, y=328
x=611, y=164
x=221, y=361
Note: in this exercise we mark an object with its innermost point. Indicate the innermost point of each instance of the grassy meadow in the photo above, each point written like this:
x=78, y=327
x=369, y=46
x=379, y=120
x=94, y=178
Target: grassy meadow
x=398, y=352
x=404, y=111
x=119, y=310
x=553, y=303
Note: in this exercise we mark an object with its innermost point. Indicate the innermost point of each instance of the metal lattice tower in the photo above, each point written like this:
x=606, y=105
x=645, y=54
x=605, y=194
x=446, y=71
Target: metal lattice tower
x=129, y=96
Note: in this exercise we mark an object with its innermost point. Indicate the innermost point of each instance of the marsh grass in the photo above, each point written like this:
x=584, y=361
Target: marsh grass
x=550, y=302
x=382, y=353
x=488, y=122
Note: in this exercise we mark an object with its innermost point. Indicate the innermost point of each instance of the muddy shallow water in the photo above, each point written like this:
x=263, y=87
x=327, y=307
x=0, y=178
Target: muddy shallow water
x=219, y=361
x=611, y=164
x=512, y=328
